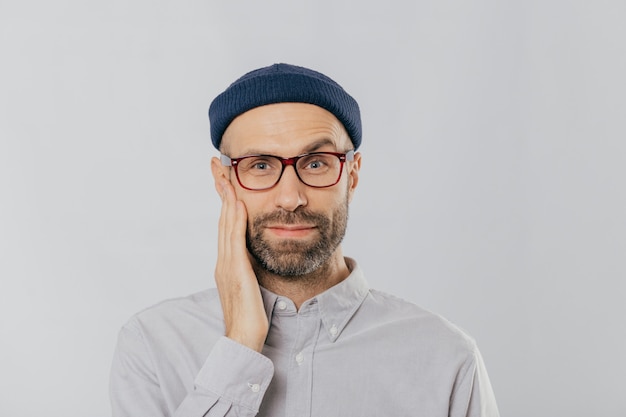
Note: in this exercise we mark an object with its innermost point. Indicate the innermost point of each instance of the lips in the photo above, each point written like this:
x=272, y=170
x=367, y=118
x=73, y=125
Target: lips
x=291, y=230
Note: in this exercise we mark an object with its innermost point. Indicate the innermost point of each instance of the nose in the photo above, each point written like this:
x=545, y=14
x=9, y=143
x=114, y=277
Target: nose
x=290, y=190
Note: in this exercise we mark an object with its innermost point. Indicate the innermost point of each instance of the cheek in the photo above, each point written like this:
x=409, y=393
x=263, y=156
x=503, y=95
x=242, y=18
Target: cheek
x=345, y=195
x=255, y=204
x=339, y=199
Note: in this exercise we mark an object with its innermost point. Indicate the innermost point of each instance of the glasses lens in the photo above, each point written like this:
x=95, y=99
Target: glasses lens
x=319, y=169
x=258, y=172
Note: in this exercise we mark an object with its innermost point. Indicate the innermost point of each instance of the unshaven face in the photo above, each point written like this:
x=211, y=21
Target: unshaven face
x=293, y=229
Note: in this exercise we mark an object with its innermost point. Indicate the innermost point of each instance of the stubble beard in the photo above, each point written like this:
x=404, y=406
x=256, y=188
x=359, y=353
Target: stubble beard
x=292, y=259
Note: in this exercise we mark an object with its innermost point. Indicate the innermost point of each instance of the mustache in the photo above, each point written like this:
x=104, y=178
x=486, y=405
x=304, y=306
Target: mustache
x=300, y=215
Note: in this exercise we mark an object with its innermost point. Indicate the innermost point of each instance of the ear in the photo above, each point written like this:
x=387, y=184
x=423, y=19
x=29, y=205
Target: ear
x=353, y=174
x=220, y=172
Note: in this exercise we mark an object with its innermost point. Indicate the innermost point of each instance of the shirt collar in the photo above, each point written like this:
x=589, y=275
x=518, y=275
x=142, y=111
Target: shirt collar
x=336, y=305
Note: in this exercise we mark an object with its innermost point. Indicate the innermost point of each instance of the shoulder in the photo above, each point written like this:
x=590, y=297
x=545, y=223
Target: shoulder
x=184, y=311
x=172, y=338
x=417, y=325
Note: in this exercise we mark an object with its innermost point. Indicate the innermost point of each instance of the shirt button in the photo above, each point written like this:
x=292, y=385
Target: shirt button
x=281, y=305
x=254, y=387
x=300, y=358
x=334, y=330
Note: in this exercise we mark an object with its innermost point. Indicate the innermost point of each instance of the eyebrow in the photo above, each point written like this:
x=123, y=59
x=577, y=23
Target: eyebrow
x=319, y=144
x=313, y=147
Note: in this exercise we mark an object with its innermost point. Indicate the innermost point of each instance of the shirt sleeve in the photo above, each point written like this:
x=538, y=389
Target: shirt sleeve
x=472, y=395
x=232, y=381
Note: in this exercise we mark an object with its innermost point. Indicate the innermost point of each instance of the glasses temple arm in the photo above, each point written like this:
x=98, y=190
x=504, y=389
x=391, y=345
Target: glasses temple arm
x=226, y=161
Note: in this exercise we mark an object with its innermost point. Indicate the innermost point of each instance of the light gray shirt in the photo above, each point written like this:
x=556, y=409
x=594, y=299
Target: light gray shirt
x=350, y=351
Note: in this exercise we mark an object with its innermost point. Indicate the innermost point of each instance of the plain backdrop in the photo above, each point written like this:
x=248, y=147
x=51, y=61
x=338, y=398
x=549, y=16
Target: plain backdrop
x=492, y=188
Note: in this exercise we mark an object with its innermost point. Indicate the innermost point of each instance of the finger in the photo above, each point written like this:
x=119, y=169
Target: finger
x=225, y=221
x=230, y=215
x=239, y=229
x=222, y=220
x=232, y=225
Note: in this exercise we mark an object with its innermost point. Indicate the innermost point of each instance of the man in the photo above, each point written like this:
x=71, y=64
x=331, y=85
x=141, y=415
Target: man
x=292, y=328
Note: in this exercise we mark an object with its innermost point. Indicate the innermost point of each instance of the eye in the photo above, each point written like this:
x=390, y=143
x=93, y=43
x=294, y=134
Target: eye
x=259, y=165
x=316, y=163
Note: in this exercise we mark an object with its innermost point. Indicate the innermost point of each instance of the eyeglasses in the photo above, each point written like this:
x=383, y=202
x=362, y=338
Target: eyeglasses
x=262, y=172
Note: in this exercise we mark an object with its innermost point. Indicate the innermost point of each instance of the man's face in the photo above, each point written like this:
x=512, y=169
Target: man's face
x=293, y=229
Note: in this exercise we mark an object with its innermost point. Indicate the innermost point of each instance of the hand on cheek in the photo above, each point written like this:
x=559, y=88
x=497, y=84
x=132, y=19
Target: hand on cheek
x=244, y=314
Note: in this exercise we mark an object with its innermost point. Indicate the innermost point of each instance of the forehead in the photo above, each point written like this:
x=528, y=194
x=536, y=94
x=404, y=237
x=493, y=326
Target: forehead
x=284, y=129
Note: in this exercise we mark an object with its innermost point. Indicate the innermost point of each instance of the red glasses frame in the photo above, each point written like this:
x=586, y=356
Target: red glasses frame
x=233, y=162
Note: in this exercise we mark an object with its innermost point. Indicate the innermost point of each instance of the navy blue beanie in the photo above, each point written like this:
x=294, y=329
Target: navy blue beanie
x=284, y=83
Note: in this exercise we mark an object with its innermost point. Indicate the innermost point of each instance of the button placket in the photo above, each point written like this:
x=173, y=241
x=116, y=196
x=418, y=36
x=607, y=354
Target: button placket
x=300, y=373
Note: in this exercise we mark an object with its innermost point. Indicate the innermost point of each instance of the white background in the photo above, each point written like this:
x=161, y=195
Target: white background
x=492, y=186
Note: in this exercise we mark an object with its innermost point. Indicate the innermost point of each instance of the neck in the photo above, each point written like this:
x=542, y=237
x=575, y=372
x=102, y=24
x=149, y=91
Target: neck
x=304, y=287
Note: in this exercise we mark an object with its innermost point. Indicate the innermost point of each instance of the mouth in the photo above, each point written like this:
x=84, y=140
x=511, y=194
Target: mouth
x=291, y=230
